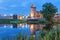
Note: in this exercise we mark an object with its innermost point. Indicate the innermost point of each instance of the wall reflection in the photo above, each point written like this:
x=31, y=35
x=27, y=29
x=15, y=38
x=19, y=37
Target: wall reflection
x=7, y=25
x=32, y=29
x=11, y=26
x=35, y=27
x=4, y=25
x=20, y=25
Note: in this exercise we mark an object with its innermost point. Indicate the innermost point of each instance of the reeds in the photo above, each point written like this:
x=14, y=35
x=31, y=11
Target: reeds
x=53, y=34
x=44, y=35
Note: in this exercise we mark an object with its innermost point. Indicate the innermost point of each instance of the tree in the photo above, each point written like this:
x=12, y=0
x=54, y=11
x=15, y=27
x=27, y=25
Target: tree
x=48, y=11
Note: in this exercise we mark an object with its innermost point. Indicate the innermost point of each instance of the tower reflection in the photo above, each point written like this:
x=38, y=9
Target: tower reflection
x=35, y=27
x=32, y=29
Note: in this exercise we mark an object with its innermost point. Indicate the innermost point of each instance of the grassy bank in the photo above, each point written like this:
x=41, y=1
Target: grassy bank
x=12, y=21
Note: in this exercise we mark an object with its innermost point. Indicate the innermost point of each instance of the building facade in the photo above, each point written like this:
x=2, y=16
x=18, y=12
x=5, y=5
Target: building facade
x=20, y=17
x=34, y=13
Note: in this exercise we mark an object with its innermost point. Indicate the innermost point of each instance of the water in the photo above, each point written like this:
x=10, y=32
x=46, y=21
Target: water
x=7, y=30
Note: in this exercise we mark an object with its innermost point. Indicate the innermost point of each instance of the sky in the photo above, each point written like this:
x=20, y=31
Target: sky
x=22, y=7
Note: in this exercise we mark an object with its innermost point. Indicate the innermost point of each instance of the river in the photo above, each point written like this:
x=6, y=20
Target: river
x=7, y=31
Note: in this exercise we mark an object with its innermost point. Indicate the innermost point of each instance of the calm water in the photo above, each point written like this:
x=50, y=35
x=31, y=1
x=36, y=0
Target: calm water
x=7, y=30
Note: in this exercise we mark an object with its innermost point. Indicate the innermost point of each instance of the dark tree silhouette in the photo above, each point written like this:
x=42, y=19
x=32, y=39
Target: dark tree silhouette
x=48, y=11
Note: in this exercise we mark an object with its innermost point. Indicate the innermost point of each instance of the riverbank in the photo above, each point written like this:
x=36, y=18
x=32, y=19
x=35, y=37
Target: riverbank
x=12, y=21
x=53, y=34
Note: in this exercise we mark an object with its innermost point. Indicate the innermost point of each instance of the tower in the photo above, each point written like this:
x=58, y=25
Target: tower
x=33, y=11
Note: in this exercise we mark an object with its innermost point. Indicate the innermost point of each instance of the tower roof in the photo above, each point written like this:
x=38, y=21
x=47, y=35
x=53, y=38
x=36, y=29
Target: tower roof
x=33, y=6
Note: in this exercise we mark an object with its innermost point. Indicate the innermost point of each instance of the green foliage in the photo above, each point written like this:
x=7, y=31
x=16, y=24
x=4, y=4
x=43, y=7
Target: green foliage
x=50, y=35
x=12, y=21
x=48, y=10
x=32, y=37
x=44, y=35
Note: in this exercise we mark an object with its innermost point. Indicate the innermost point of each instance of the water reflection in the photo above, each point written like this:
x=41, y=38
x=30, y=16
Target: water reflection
x=11, y=26
x=4, y=25
x=39, y=27
x=20, y=25
x=7, y=25
x=30, y=29
x=33, y=27
x=26, y=29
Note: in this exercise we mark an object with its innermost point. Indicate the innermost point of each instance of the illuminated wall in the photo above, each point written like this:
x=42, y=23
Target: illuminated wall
x=20, y=17
x=32, y=29
x=32, y=15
